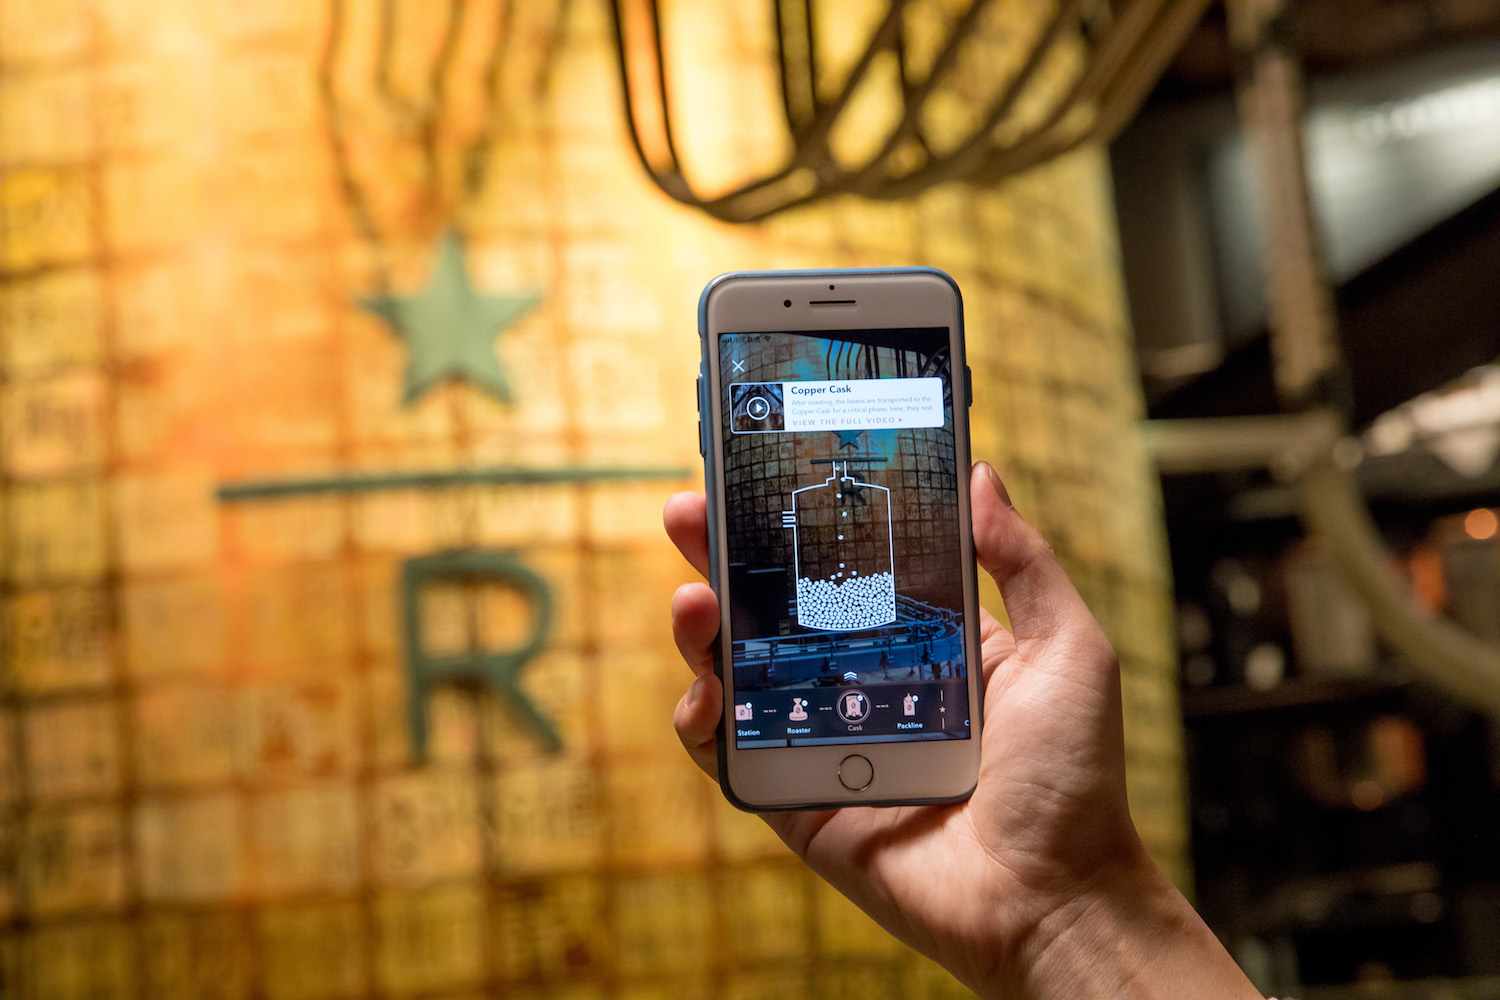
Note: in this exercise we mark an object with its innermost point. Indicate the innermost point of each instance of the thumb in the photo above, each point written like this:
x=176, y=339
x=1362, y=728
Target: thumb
x=1043, y=605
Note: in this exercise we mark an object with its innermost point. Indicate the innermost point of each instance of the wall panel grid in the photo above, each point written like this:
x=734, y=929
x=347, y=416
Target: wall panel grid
x=206, y=776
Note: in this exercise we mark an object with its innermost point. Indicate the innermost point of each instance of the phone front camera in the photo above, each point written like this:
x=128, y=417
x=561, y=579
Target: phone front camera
x=788, y=303
x=830, y=288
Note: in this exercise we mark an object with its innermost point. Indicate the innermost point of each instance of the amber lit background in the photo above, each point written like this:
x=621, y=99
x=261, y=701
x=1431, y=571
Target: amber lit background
x=207, y=777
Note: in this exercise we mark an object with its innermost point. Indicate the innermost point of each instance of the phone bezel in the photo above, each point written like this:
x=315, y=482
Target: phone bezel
x=769, y=778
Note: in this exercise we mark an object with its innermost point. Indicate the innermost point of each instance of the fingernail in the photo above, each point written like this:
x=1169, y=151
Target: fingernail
x=996, y=483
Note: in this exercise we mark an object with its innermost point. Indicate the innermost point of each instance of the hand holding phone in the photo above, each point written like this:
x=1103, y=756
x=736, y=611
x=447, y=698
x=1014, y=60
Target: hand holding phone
x=1037, y=885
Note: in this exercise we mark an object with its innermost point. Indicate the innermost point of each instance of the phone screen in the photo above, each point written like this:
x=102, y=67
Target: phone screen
x=842, y=527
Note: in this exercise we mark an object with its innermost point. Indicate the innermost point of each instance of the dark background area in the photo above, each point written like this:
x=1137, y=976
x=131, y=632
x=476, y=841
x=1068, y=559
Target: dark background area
x=1345, y=814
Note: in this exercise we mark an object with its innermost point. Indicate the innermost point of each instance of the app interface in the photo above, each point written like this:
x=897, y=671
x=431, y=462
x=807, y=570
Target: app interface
x=841, y=493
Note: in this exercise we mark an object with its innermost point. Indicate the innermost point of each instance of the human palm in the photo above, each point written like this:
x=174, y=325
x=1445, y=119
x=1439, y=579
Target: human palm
x=972, y=883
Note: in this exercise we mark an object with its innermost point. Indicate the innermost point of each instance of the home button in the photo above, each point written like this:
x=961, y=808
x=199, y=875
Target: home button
x=856, y=773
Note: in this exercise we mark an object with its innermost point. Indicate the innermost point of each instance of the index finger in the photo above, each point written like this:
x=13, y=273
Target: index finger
x=686, y=519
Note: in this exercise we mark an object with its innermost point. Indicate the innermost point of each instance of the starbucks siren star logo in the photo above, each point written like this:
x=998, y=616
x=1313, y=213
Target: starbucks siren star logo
x=449, y=327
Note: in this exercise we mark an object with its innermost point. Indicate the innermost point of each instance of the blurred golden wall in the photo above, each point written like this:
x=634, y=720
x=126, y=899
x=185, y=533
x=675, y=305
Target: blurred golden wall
x=206, y=777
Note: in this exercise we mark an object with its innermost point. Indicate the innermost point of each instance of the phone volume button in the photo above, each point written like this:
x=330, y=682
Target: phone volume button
x=698, y=394
x=701, y=450
x=968, y=386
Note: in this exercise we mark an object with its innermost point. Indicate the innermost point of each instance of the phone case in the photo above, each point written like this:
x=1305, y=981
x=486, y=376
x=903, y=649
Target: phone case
x=710, y=486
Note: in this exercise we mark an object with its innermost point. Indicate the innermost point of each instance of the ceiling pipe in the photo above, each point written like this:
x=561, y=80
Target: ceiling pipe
x=1305, y=445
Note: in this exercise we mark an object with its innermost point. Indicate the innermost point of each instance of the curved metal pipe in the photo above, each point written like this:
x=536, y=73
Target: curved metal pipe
x=1308, y=367
x=1334, y=511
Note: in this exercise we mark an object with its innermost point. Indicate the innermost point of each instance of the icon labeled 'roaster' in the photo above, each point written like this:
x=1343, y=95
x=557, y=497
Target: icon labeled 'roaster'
x=799, y=710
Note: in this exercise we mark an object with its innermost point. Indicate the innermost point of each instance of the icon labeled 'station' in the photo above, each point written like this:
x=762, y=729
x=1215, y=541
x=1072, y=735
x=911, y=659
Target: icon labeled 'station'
x=743, y=713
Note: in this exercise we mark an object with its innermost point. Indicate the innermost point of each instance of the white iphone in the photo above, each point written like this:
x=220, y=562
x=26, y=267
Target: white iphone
x=834, y=426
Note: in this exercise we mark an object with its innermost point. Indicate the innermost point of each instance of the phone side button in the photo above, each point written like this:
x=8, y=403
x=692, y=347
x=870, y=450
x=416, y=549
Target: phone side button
x=698, y=393
x=701, y=450
x=968, y=386
x=856, y=772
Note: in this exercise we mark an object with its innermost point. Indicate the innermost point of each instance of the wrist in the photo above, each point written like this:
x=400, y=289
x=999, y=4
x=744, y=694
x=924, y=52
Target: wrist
x=1124, y=931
